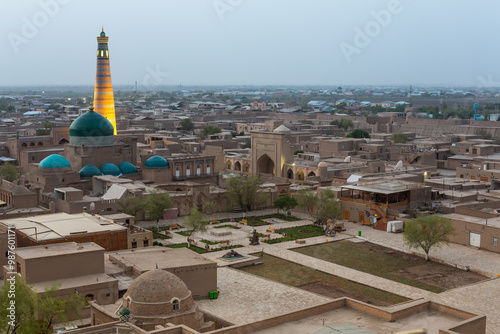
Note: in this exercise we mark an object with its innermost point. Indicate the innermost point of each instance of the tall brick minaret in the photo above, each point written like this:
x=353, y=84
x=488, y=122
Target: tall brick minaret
x=104, y=101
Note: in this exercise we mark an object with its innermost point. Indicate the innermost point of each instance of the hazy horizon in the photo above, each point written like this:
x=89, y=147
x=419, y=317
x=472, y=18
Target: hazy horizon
x=252, y=43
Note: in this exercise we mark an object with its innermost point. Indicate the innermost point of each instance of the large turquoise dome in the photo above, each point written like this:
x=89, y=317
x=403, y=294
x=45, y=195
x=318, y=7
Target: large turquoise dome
x=54, y=161
x=127, y=168
x=156, y=162
x=110, y=169
x=89, y=170
x=91, y=129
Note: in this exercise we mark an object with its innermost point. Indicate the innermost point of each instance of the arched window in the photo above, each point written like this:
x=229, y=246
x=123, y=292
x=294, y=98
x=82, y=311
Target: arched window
x=229, y=164
x=176, y=305
x=198, y=170
x=208, y=168
x=188, y=170
x=177, y=172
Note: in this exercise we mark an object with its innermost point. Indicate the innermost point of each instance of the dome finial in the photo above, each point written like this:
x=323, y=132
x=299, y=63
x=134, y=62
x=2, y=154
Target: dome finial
x=102, y=28
x=91, y=107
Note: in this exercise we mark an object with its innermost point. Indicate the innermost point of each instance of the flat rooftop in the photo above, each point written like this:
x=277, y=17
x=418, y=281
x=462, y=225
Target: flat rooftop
x=61, y=225
x=35, y=252
x=386, y=186
x=144, y=259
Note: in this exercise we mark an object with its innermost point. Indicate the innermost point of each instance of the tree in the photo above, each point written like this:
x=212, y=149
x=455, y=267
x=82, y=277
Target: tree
x=35, y=313
x=322, y=207
x=156, y=203
x=399, y=138
x=196, y=222
x=9, y=172
x=248, y=143
x=209, y=206
x=131, y=205
x=187, y=124
x=298, y=151
x=285, y=203
x=209, y=130
x=428, y=231
x=343, y=123
x=358, y=134
x=244, y=191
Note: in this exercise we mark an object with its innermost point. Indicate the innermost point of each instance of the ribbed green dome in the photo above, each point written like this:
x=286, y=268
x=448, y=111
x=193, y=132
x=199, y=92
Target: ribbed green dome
x=110, y=169
x=156, y=162
x=89, y=170
x=127, y=168
x=54, y=161
x=91, y=124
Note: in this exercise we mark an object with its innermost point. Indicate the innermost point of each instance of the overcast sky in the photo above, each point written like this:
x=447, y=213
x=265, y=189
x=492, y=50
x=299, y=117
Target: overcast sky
x=255, y=42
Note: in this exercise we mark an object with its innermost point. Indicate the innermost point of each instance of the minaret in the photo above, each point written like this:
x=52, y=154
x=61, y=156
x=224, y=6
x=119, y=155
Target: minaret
x=104, y=101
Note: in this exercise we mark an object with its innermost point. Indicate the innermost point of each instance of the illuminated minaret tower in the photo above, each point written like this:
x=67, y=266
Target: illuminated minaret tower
x=104, y=101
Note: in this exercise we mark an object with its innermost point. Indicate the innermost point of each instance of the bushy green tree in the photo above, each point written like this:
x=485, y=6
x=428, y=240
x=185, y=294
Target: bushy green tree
x=131, y=205
x=399, y=138
x=9, y=172
x=156, y=203
x=285, y=202
x=244, y=191
x=187, y=124
x=358, y=134
x=209, y=130
x=428, y=231
x=209, y=206
x=35, y=313
x=322, y=207
x=196, y=222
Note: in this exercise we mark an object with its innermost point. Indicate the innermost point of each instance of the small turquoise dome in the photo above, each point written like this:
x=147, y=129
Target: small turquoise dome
x=110, y=169
x=127, y=168
x=156, y=162
x=54, y=161
x=89, y=170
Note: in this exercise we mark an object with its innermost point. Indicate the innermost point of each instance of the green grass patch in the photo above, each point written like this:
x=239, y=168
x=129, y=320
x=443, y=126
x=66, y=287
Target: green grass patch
x=293, y=274
x=200, y=250
x=299, y=232
x=280, y=216
x=185, y=233
x=157, y=235
x=227, y=225
x=209, y=242
x=358, y=257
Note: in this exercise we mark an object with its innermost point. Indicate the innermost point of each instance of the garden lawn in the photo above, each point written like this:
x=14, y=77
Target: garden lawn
x=355, y=256
x=293, y=274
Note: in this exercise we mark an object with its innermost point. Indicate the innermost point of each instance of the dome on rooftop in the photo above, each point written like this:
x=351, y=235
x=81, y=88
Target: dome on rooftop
x=54, y=161
x=155, y=292
x=322, y=164
x=89, y=171
x=281, y=128
x=127, y=168
x=156, y=162
x=110, y=169
x=91, y=129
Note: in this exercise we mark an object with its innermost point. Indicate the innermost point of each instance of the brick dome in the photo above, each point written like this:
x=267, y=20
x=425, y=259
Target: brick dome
x=157, y=292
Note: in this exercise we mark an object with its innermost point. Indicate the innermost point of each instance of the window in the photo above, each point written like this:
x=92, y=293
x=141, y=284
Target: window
x=195, y=149
x=146, y=243
x=198, y=170
x=474, y=151
x=188, y=171
x=18, y=267
x=208, y=169
x=175, y=305
x=494, y=241
x=108, y=295
x=177, y=172
x=134, y=244
x=102, y=53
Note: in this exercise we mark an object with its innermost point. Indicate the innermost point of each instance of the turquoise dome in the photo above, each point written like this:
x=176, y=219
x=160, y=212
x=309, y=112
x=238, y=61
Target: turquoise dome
x=127, y=168
x=110, y=169
x=91, y=129
x=156, y=162
x=54, y=161
x=89, y=170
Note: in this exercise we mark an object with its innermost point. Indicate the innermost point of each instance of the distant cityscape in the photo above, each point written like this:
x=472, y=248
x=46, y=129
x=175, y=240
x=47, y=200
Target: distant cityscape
x=246, y=209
